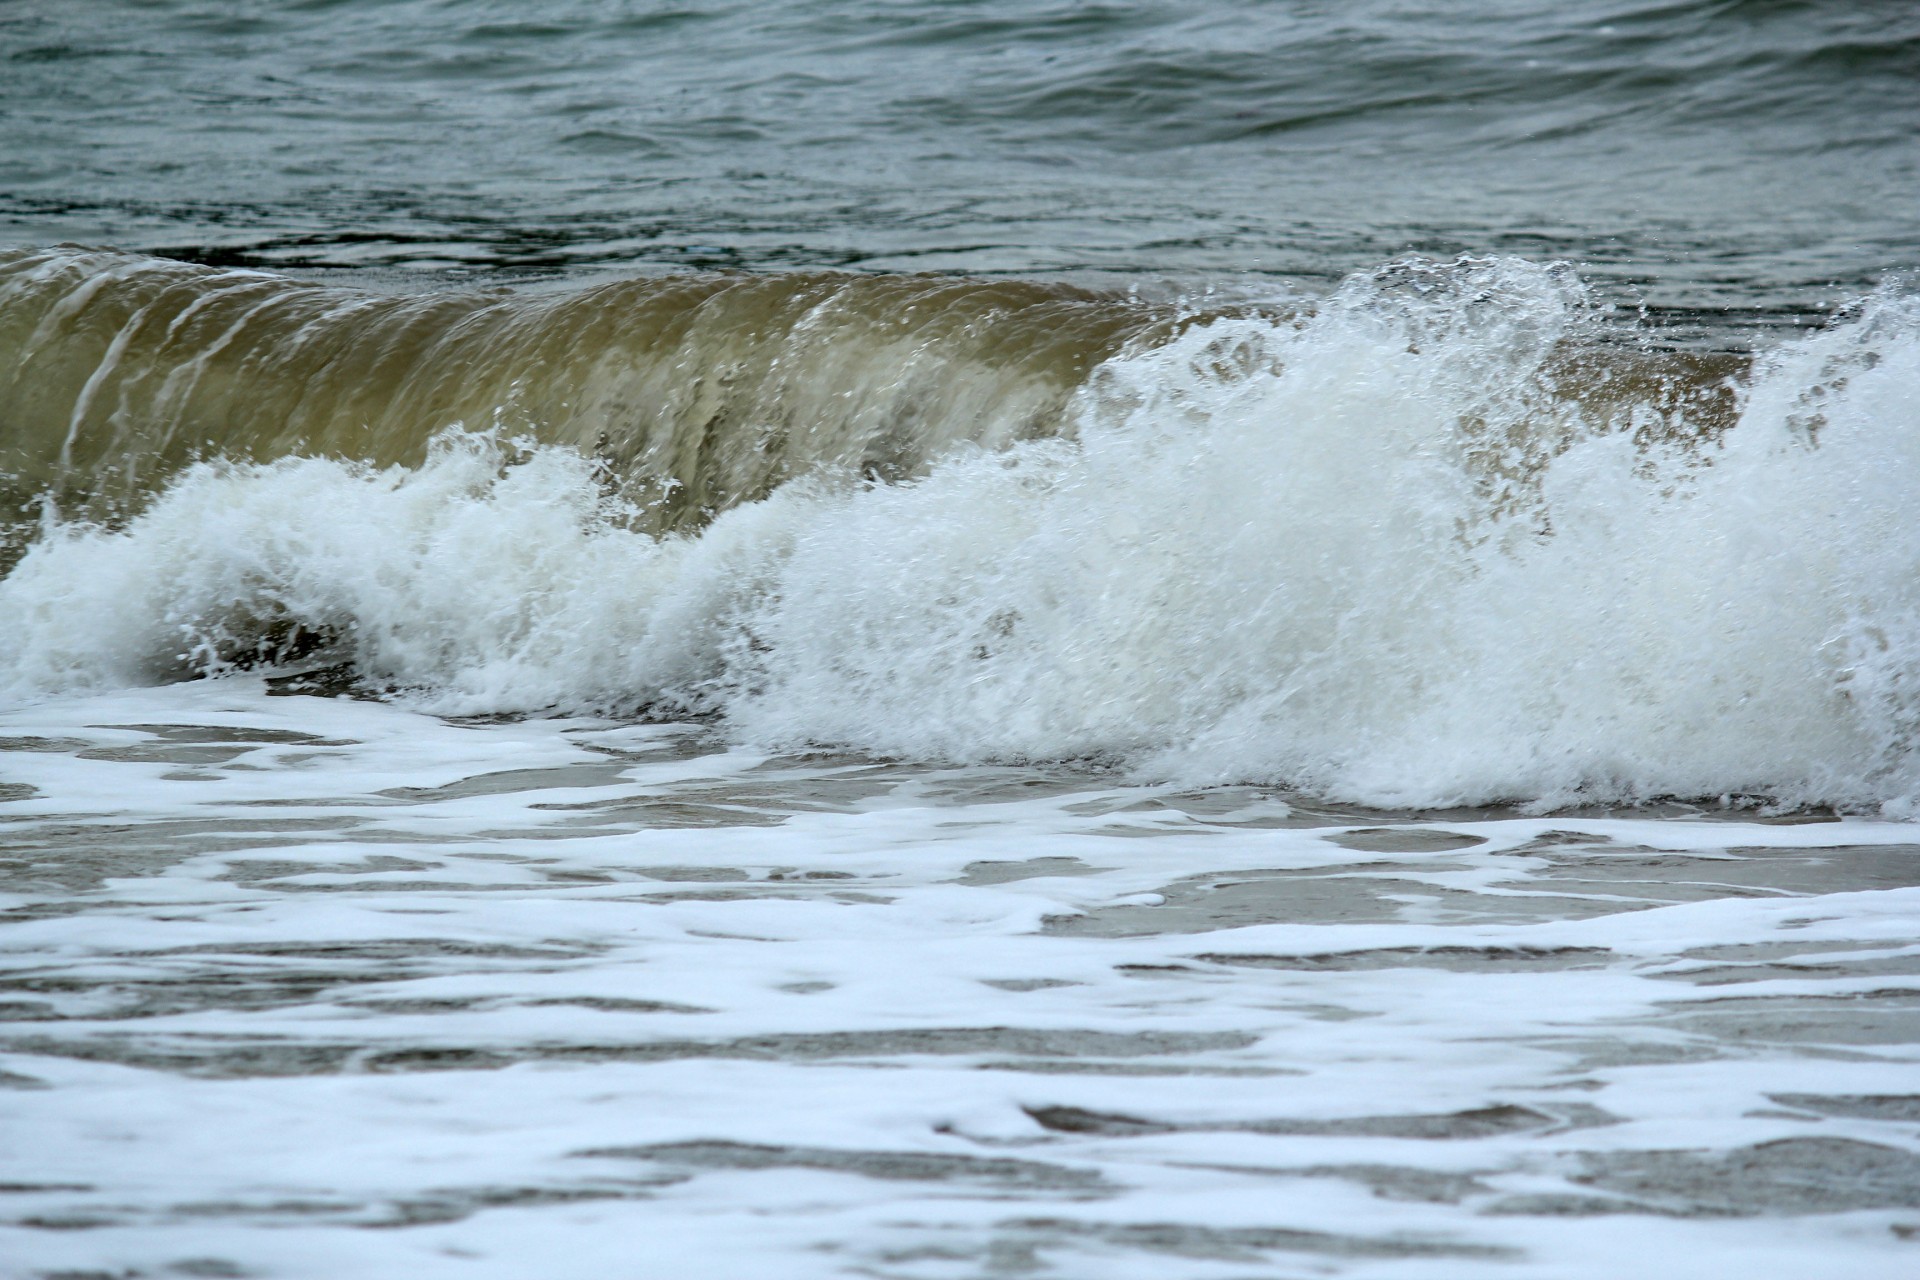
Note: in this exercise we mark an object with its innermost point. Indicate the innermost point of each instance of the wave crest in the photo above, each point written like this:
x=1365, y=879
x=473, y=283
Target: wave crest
x=1407, y=550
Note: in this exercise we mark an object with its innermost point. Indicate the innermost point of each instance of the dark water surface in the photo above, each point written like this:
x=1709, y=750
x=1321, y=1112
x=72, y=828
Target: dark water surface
x=1757, y=155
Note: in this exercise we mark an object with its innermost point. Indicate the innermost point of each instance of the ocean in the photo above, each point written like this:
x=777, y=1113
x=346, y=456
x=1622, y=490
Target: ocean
x=939, y=640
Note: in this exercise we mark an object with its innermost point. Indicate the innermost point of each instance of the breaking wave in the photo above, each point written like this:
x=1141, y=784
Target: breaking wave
x=1443, y=539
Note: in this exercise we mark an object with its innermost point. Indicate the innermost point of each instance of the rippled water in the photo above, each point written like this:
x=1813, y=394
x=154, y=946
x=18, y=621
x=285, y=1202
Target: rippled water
x=309, y=987
x=934, y=641
x=1745, y=154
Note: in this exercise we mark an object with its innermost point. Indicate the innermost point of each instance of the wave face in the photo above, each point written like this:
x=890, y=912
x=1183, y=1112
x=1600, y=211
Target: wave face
x=1443, y=540
x=694, y=392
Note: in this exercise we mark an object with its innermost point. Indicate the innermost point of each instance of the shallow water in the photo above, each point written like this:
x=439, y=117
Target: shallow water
x=306, y=986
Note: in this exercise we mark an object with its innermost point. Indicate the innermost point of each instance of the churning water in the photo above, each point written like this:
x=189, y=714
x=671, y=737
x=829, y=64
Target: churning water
x=928, y=640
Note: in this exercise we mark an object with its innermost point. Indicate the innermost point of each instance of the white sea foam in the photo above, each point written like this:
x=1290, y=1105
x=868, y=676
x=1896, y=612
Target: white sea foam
x=570, y=998
x=1362, y=554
